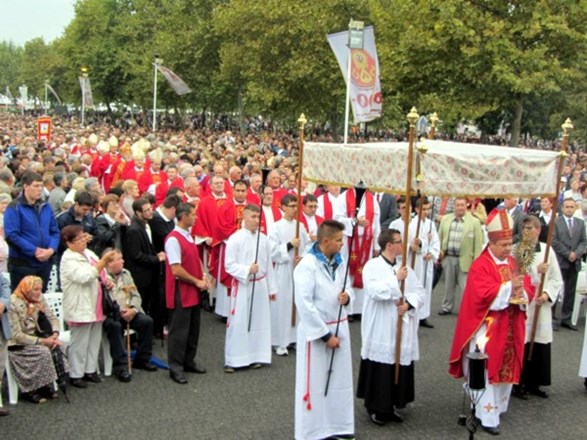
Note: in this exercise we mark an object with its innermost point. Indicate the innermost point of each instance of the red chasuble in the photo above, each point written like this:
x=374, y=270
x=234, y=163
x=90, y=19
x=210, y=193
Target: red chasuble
x=361, y=251
x=505, y=328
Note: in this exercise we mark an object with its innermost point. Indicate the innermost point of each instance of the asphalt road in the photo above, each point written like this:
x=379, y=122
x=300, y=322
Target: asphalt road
x=258, y=404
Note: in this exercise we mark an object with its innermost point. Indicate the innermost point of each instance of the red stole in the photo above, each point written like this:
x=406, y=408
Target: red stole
x=240, y=209
x=328, y=207
x=304, y=221
x=276, y=216
x=361, y=246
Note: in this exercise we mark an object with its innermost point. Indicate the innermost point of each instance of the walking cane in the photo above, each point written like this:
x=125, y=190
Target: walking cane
x=127, y=290
x=359, y=192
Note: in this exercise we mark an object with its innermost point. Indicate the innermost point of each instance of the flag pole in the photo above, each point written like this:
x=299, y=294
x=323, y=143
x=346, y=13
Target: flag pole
x=155, y=64
x=356, y=40
x=412, y=118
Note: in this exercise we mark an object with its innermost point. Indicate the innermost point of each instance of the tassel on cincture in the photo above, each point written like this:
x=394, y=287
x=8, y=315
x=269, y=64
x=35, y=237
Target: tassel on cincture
x=307, y=400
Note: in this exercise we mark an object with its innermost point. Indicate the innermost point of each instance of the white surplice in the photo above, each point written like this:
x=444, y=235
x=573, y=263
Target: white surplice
x=425, y=270
x=244, y=347
x=318, y=416
x=379, y=320
x=553, y=285
x=283, y=332
x=375, y=228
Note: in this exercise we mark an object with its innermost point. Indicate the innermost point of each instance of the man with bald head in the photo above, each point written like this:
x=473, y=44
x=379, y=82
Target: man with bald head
x=274, y=181
x=255, y=182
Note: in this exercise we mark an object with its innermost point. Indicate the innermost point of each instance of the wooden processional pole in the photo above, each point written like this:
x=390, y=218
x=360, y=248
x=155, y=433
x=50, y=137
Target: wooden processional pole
x=434, y=120
x=302, y=123
x=412, y=118
x=567, y=127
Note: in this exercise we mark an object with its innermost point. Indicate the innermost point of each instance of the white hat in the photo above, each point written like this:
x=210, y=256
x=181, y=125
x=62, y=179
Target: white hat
x=500, y=225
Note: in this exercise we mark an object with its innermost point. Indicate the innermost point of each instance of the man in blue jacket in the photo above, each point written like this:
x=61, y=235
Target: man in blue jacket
x=31, y=232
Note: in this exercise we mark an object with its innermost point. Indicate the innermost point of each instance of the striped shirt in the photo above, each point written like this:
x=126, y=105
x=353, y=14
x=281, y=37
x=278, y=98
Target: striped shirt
x=455, y=233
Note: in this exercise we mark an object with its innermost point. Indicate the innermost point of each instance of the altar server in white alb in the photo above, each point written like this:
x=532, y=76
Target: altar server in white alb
x=246, y=348
x=536, y=371
x=283, y=246
x=319, y=280
x=427, y=250
x=381, y=311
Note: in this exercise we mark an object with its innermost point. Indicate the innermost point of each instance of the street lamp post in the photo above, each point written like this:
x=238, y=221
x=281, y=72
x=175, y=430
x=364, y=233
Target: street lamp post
x=356, y=40
x=84, y=71
x=158, y=61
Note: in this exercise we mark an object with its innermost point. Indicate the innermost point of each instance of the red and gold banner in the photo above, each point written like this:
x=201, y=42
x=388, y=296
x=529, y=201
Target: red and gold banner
x=44, y=127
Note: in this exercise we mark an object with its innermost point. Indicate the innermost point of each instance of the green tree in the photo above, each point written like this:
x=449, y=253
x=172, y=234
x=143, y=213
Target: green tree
x=10, y=60
x=465, y=59
x=276, y=55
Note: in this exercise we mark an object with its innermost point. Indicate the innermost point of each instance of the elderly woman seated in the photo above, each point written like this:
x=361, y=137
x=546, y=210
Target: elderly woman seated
x=35, y=331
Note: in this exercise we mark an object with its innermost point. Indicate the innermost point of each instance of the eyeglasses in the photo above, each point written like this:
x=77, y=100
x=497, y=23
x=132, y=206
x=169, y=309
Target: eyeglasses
x=291, y=206
x=397, y=242
x=144, y=211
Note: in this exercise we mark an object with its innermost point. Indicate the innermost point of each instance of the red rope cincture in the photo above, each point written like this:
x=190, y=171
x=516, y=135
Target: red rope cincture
x=232, y=298
x=308, y=364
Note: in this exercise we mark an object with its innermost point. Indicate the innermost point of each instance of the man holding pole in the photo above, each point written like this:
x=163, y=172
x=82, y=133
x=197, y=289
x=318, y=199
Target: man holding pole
x=424, y=252
x=283, y=245
x=320, y=297
x=248, y=329
x=383, y=307
x=536, y=371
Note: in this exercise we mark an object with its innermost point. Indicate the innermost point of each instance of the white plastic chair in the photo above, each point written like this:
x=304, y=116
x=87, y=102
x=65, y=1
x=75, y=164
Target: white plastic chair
x=12, y=385
x=55, y=301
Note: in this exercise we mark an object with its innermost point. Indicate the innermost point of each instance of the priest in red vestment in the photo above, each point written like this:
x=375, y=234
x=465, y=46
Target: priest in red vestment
x=491, y=319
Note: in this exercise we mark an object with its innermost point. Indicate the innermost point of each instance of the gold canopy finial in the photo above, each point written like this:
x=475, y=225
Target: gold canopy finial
x=413, y=116
x=302, y=121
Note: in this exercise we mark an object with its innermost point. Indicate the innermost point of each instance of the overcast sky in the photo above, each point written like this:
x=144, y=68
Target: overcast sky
x=23, y=20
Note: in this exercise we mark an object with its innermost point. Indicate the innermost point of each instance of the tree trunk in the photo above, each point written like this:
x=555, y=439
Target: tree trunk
x=517, y=122
x=334, y=124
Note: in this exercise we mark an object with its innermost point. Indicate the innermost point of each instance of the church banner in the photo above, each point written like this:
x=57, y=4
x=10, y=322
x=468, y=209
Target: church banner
x=86, y=87
x=180, y=87
x=447, y=168
x=366, y=98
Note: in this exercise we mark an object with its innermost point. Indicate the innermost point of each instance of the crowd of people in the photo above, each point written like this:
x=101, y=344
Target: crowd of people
x=147, y=230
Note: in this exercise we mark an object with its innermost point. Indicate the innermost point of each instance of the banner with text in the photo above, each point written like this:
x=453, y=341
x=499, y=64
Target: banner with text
x=366, y=96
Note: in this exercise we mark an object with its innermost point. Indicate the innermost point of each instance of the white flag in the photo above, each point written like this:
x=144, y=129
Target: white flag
x=180, y=87
x=54, y=93
x=366, y=98
x=86, y=87
x=24, y=94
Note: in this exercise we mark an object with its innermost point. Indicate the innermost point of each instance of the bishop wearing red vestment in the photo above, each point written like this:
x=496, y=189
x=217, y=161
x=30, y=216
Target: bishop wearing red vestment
x=489, y=319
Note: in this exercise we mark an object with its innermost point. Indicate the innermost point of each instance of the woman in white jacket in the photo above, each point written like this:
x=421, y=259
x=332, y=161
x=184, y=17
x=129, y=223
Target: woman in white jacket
x=81, y=271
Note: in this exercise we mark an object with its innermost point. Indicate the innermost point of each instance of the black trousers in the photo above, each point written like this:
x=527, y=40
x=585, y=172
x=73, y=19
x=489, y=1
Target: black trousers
x=569, y=276
x=143, y=326
x=184, y=333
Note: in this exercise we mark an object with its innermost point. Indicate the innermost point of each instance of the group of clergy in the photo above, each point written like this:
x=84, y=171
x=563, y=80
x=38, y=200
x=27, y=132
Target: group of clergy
x=289, y=281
